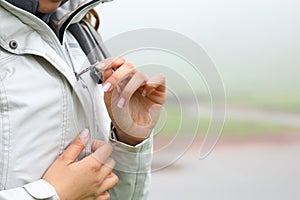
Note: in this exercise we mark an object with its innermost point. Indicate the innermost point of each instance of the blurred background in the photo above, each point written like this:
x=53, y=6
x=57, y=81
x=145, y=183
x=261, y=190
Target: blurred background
x=255, y=45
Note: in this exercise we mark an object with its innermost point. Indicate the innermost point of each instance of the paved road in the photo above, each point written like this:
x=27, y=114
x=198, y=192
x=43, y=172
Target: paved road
x=231, y=172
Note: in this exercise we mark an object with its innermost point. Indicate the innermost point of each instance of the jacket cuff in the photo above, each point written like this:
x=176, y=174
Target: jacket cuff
x=132, y=159
x=41, y=189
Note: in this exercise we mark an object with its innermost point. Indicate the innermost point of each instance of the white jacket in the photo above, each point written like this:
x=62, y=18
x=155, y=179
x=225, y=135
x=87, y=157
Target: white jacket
x=43, y=107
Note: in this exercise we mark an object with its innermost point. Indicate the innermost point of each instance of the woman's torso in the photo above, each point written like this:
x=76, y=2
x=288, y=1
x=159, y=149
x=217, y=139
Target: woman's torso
x=43, y=105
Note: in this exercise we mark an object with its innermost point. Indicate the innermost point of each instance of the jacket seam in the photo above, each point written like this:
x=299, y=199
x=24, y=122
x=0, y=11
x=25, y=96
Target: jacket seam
x=64, y=113
x=136, y=183
x=5, y=137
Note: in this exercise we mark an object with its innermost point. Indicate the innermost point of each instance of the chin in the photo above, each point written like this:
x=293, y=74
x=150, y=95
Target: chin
x=49, y=7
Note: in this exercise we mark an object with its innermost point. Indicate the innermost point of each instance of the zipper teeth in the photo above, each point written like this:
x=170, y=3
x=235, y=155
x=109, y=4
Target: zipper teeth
x=93, y=125
x=71, y=60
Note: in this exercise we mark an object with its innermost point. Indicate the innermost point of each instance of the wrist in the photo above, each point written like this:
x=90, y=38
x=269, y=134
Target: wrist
x=123, y=137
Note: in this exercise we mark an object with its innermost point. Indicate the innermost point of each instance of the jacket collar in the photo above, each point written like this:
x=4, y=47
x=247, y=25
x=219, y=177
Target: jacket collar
x=69, y=12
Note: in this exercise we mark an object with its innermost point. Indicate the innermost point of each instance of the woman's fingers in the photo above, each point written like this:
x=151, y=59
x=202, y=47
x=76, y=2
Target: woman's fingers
x=126, y=70
x=127, y=80
x=111, y=79
x=101, y=151
x=106, y=169
x=157, y=82
x=75, y=148
x=110, y=181
x=104, y=196
x=84, y=179
x=155, y=89
x=136, y=81
x=96, y=144
x=111, y=63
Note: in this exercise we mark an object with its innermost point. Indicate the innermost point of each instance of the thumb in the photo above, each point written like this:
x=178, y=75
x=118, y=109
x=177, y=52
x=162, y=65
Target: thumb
x=76, y=147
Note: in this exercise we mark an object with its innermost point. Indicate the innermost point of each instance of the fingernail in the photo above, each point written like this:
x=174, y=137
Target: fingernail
x=84, y=136
x=106, y=86
x=121, y=103
x=144, y=93
x=101, y=65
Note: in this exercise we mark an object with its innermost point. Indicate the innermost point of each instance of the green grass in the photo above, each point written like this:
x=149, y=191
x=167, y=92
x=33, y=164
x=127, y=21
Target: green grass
x=187, y=126
x=248, y=128
x=285, y=103
x=231, y=127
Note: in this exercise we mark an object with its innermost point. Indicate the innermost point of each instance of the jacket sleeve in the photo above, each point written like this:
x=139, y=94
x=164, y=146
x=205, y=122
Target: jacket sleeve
x=39, y=189
x=133, y=168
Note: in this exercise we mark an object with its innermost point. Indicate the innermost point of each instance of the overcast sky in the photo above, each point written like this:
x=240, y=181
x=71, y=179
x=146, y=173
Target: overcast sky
x=238, y=35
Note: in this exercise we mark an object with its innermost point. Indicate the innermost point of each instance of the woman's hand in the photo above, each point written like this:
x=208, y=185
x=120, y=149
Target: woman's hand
x=133, y=100
x=89, y=178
